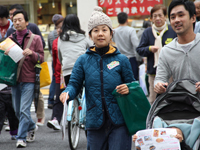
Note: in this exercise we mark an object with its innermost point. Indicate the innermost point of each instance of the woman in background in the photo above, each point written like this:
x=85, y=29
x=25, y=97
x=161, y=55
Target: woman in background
x=71, y=44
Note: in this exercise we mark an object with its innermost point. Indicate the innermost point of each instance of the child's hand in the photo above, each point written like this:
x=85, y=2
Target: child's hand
x=179, y=137
x=134, y=137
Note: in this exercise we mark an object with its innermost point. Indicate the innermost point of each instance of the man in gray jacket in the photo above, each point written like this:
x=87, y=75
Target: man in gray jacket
x=180, y=58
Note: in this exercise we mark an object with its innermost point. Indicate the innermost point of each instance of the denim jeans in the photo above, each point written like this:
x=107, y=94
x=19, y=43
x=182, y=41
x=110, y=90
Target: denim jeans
x=52, y=87
x=22, y=97
x=109, y=137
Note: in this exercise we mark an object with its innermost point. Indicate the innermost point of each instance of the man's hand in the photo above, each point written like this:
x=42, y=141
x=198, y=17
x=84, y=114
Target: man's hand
x=27, y=52
x=122, y=89
x=197, y=85
x=63, y=97
x=154, y=49
x=160, y=87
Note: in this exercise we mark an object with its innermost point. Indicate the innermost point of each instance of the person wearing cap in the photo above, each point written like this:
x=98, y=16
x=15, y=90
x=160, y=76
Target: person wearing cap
x=51, y=37
x=103, y=68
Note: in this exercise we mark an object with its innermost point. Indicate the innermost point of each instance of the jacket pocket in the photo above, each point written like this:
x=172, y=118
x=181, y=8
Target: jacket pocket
x=91, y=107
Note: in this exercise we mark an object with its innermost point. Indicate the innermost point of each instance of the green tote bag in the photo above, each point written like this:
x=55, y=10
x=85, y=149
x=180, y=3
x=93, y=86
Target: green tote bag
x=134, y=107
x=8, y=69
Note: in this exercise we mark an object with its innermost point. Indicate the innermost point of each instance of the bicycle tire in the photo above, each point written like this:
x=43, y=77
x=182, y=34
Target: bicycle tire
x=73, y=127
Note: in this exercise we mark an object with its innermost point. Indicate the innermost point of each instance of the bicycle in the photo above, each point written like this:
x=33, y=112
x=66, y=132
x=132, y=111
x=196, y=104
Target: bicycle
x=76, y=117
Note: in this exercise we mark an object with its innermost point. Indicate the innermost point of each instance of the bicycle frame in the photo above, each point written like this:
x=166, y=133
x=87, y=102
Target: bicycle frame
x=82, y=113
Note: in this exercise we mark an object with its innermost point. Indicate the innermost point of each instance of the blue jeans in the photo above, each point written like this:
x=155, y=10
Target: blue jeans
x=109, y=137
x=22, y=97
x=52, y=87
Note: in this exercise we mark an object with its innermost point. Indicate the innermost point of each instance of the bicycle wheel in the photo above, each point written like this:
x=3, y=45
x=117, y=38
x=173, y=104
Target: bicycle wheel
x=73, y=127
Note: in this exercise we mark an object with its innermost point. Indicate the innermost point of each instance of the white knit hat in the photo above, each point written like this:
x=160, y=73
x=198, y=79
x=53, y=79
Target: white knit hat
x=98, y=18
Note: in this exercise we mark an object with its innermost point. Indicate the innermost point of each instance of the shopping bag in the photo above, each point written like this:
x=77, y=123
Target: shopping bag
x=134, y=107
x=45, y=78
x=8, y=69
x=142, y=80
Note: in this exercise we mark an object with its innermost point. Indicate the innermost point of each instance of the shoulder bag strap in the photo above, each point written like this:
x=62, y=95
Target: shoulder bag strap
x=22, y=60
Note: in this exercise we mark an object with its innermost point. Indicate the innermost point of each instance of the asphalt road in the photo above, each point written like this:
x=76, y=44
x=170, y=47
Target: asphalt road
x=46, y=138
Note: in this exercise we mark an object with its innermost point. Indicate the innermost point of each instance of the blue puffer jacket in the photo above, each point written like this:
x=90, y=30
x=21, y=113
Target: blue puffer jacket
x=148, y=40
x=101, y=74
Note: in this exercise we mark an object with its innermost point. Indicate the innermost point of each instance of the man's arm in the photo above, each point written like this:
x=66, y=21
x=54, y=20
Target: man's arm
x=143, y=48
x=38, y=48
x=163, y=73
x=134, y=39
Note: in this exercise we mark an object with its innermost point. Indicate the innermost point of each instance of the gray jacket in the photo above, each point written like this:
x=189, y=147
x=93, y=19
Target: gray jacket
x=69, y=51
x=178, y=63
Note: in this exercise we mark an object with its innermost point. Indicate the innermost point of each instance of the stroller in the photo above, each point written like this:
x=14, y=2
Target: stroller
x=180, y=104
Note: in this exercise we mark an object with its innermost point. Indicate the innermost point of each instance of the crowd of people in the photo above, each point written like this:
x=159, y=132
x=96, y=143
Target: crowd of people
x=171, y=51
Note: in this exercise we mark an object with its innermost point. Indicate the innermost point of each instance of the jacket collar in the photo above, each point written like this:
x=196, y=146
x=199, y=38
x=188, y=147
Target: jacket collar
x=166, y=29
x=112, y=50
x=173, y=44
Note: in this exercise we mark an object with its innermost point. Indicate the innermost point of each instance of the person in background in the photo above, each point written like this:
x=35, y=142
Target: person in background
x=145, y=25
x=23, y=91
x=180, y=58
x=58, y=106
x=197, y=8
x=51, y=37
x=197, y=24
x=103, y=68
x=31, y=26
x=5, y=23
x=71, y=44
x=153, y=39
x=34, y=29
x=126, y=39
x=6, y=108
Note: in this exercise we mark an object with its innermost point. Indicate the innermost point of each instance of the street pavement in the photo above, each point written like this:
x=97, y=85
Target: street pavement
x=46, y=138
